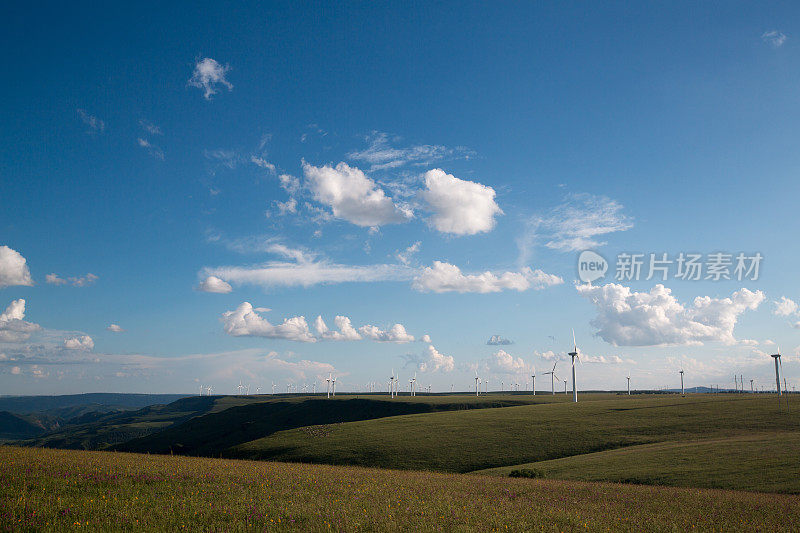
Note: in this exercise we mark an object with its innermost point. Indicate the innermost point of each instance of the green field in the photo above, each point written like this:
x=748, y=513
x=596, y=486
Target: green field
x=724, y=441
x=58, y=490
x=466, y=441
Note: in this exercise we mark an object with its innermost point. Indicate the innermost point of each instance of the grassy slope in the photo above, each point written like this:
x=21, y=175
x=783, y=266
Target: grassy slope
x=120, y=427
x=57, y=490
x=764, y=462
x=472, y=440
x=233, y=421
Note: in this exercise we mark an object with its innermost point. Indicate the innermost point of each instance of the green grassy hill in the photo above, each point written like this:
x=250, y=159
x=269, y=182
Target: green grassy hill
x=215, y=433
x=466, y=441
x=766, y=462
x=97, y=431
x=58, y=490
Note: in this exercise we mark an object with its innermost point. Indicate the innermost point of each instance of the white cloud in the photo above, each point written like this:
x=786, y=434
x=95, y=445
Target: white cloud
x=404, y=256
x=549, y=355
x=578, y=223
x=209, y=75
x=656, y=318
x=289, y=206
x=425, y=338
x=114, y=328
x=434, y=361
x=774, y=38
x=307, y=272
x=150, y=128
x=153, y=150
x=459, y=207
x=381, y=155
x=13, y=269
x=92, y=121
x=245, y=321
x=497, y=340
x=214, y=284
x=784, y=307
x=396, y=333
x=83, y=281
x=444, y=277
x=263, y=163
x=502, y=362
x=289, y=183
x=83, y=342
x=346, y=330
x=353, y=196
x=54, y=279
x=12, y=326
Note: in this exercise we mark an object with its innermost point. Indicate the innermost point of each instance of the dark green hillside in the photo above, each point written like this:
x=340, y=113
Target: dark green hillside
x=14, y=426
x=101, y=431
x=213, y=433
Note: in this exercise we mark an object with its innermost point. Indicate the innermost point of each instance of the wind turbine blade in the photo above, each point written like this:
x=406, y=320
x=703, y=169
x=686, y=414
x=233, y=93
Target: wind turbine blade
x=574, y=344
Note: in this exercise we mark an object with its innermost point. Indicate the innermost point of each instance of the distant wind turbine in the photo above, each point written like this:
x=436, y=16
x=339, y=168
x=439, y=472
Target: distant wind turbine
x=777, y=357
x=552, y=378
x=574, y=353
x=533, y=382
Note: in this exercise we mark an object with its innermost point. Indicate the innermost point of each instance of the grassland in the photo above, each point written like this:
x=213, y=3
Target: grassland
x=466, y=441
x=58, y=490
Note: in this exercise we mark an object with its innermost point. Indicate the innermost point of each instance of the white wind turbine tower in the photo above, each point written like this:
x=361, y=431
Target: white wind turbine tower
x=565, y=386
x=552, y=378
x=248, y=390
x=414, y=385
x=333, y=387
x=486, y=386
x=681, y=373
x=329, y=385
x=751, y=387
x=477, y=384
x=201, y=389
x=533, y=381
x=273, y=388
x=239, y=388
x=777, y=357
x=629, y=383
x=574, y=353
x=208, y=390
x=258, y=390
x=391, y=385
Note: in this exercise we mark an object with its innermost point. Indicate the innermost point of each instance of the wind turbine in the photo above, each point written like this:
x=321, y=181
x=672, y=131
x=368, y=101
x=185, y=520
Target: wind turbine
x=629, y=383
x=391, y=385
x=681, y=373
x=574, y=354
x=240, y=387
x=273, y=388
x=533, y=381
x=201, y=389
x=208, y=390
x=333, y=387
x=248, y=390
x=552, y=378
x=329, y=385
x=477, y=384
x=751, y=387
x=777, y=357
x=414, y=385
x=565, y=386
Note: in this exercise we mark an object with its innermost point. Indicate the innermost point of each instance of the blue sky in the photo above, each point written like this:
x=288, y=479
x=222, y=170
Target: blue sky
x=439, y=167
